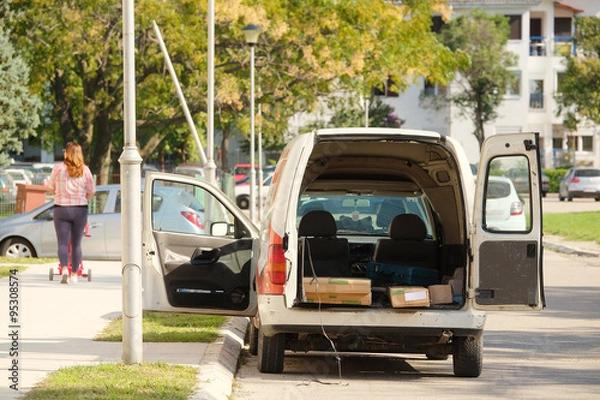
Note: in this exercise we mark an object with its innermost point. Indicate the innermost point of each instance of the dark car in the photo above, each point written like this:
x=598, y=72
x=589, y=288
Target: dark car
x=580, y=182
x=545, y=184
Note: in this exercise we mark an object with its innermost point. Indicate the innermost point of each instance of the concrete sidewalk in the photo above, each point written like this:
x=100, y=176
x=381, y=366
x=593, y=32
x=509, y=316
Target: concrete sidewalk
x=57, y=323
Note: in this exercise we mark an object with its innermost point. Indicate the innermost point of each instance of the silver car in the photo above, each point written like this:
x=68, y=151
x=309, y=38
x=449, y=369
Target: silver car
x=580, y=182
x=32, y=234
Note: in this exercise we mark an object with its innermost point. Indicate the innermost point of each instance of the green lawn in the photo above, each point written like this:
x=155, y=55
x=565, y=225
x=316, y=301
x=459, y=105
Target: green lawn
x=583, y=226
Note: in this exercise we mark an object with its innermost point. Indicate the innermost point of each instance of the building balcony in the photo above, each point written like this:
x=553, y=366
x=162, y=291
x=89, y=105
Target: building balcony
x=562, y=46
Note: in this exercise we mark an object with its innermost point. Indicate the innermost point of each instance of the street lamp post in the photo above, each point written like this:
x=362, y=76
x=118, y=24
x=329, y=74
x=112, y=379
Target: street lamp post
x=251, y=32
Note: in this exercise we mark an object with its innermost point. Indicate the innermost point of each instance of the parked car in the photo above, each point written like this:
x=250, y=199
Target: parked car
x=32, y=234
x=580, y=182
x=7, y=189
x=242, y=191
x=398, y=225
x=18, y=175
x=503, y=207
x=545, y=184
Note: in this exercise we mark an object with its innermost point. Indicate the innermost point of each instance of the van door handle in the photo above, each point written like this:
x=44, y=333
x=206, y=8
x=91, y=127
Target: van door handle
x=206, y=256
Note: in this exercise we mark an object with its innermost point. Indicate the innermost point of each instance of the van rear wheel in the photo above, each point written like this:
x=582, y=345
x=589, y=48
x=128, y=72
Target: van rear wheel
x=252, y=338
x=270, y=352
x=467, y=356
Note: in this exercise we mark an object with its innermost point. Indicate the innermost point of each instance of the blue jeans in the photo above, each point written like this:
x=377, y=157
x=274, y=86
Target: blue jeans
x=69, y=223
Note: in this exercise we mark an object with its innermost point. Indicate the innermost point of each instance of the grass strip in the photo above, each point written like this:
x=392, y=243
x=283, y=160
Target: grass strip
x=27, y=260
x=169, y=327
x=583, y=226
x=146, y=381
x=5, y=270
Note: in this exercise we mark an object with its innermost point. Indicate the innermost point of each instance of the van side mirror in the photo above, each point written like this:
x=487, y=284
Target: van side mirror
x=220, y=229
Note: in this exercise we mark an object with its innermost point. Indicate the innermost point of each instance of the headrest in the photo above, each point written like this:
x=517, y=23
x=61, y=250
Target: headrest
x=319, y=223
x=387, y=211
x=408, y=227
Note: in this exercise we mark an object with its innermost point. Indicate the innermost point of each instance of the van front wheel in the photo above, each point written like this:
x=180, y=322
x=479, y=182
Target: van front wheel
x=467, y=356
x=270, y=352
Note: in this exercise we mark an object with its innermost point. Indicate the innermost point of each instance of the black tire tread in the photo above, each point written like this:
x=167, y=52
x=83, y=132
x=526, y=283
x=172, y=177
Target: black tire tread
x=467, y=356
x=271, y=350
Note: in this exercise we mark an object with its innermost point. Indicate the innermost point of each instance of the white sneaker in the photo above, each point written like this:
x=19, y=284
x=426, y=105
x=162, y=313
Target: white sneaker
x=65, y=276
x=74, y=279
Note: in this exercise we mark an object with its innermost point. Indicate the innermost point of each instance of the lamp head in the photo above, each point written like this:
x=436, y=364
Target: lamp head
x=251, y=32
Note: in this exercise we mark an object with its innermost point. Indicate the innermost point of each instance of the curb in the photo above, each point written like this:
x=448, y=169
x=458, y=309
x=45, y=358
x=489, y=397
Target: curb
x=220, y=361
x=571, y=250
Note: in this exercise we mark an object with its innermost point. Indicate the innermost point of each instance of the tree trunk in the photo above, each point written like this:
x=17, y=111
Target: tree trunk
x=101, y=151
x=225, y=149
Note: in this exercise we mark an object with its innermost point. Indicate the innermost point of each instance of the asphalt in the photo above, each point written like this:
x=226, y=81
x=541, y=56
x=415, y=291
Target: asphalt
x=56, y=324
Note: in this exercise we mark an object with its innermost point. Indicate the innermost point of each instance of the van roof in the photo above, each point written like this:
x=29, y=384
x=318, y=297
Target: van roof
x=390, y=132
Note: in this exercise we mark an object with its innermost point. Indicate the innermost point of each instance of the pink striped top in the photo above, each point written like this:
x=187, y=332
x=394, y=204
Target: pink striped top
x=70, y=191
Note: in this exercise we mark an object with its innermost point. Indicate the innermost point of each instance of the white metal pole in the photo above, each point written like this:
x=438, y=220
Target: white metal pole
x=252, y=170
x=210, y=168
x=131, y=227
x=260, y=167
x=186, y=111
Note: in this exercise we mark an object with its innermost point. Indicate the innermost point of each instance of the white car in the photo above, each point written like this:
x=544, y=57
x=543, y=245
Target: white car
x=242, y=191
x=504, y=209
x=372, y=239
x=32, y=234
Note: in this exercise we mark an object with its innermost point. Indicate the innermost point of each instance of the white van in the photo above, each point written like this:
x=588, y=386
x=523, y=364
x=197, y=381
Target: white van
x=373, y=240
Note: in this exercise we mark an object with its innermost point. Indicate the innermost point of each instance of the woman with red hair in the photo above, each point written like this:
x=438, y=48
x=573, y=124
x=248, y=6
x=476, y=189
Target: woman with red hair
x=72, y=185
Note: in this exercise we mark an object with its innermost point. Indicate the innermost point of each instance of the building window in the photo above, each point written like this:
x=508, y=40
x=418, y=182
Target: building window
x=437, y=23
x=557, y=143
x=515, y=27
x=387, y=89
x=513, y=88
x=433, y=89
x=587, y=143
x=563, y=36
x=536, y=93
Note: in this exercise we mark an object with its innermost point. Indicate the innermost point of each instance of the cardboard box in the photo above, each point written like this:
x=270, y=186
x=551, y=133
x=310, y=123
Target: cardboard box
x=356, y=299
x=337, y=285
x=408, y=296
x=440, y=294
x=327, y=290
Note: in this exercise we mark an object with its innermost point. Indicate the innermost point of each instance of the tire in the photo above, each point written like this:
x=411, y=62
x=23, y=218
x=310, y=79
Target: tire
x=467, y=356
x=544, y=194
x=270, y=353
x=569, y=197
x=243, y=202
x=560, y=198
x=18, y=248
x=252, y=339
x=51, y=274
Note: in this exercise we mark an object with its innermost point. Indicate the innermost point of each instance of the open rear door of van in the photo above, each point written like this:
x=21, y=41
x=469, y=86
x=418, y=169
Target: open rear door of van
x=198, y=249
x=507, y=235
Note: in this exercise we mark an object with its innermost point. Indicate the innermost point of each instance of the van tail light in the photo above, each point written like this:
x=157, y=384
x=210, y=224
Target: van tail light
x=193, y=218
x=575, y=180
x=272, y=277
x=516, y=208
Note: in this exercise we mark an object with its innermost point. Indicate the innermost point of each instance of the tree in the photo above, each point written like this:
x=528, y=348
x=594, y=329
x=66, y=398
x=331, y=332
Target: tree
x=18, y=107
x=483, y=80
x=578, y=94
x=309, y=49
x=347, y=113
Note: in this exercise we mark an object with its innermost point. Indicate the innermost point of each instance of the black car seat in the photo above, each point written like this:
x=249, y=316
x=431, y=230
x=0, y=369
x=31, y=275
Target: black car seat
x=321, y=252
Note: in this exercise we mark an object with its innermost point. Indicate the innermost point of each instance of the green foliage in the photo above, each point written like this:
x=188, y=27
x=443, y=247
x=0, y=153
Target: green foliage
x=308, y=49
x=18, y=107
x=555, y=175
x=347, y=113
x=484, y=78
x=169, y=327
x=146, y=381
x=574, y=226
x=578, y=94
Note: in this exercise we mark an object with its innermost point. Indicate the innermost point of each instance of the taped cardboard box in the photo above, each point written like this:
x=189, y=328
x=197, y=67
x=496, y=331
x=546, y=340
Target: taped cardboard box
x=440, y=294
x=337, y=285
x=356, y=299
x=408, y=296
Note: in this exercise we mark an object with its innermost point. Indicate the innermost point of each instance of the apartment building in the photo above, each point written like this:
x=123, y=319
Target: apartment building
x=541, y=36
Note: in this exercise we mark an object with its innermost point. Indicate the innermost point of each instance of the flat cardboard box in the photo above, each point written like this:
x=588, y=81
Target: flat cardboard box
x=337, y=285
x=440, y=294
x=408, y=296
x=356, y=299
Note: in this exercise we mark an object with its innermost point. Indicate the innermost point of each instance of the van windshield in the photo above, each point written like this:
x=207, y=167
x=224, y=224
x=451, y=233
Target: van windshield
x=364, y=215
